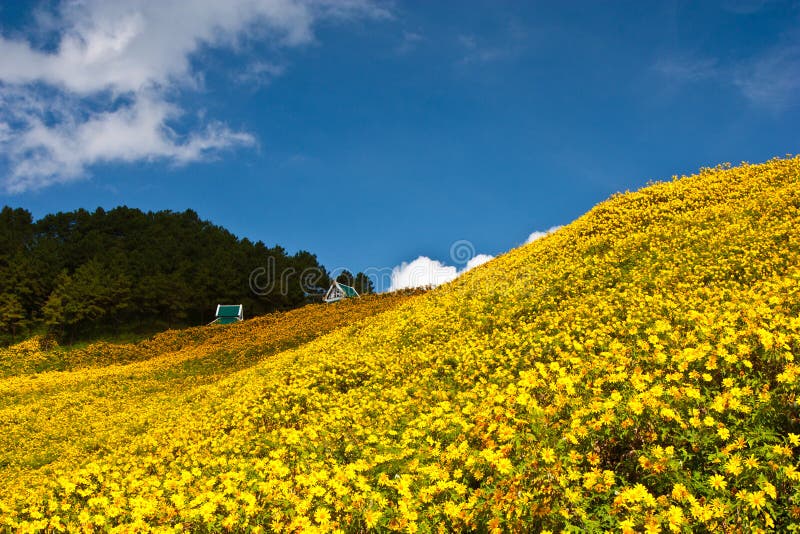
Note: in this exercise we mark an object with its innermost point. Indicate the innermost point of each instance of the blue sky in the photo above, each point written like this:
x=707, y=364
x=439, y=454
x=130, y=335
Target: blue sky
x=372, y=133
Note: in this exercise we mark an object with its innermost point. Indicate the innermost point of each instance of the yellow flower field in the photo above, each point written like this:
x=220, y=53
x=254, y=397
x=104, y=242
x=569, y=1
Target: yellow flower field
x=635, y=371
x=54, y=420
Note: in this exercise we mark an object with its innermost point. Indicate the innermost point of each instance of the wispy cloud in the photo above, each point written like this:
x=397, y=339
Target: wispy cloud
x=259, y=73
x=480, y=49
x=5, y=132
x=769, y=79
x=475, y=51
x=409, y=42
x=57, y=153
x=744, y=7
x=108, y=91
x=686, y=69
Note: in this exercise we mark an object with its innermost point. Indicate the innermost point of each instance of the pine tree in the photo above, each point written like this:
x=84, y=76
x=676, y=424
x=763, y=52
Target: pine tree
x=12, y=315
x=346, y=278
x=363, y=284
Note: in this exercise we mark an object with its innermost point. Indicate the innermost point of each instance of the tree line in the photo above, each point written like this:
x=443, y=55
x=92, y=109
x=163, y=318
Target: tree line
x=84, y=274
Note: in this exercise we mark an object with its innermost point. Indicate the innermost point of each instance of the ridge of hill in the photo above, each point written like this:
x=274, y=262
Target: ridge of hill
x=635, y=370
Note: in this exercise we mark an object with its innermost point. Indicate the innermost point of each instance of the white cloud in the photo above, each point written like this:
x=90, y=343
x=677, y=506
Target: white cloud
x=539, y=234
x=422, y=272
x=131, y=45
x=425, y=272
x=480, y=259
x=106, y=92
x=135, y=132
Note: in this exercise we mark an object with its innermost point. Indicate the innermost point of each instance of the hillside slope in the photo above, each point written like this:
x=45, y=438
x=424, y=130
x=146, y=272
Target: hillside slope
x=104, y=394
x=634, y=370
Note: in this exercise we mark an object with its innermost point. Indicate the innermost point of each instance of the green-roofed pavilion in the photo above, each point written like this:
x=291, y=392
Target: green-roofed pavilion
x=339, y=291
x=229, y=313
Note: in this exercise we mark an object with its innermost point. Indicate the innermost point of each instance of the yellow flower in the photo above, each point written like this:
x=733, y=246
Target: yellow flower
x=733, y=465
x=371, y=518
x=717, y=482
x=769, y=489
x=628, y=526
x=636, y=406
x=756, y=500
x=679, y=492
x=322, y=516
x=751, y=462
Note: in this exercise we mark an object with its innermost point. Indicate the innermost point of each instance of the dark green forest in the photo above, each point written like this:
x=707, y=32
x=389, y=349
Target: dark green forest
x=81, y=275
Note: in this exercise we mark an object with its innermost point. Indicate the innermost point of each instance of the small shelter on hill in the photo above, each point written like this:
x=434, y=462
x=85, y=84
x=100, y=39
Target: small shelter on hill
x=229, y=314
x=339, y=291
